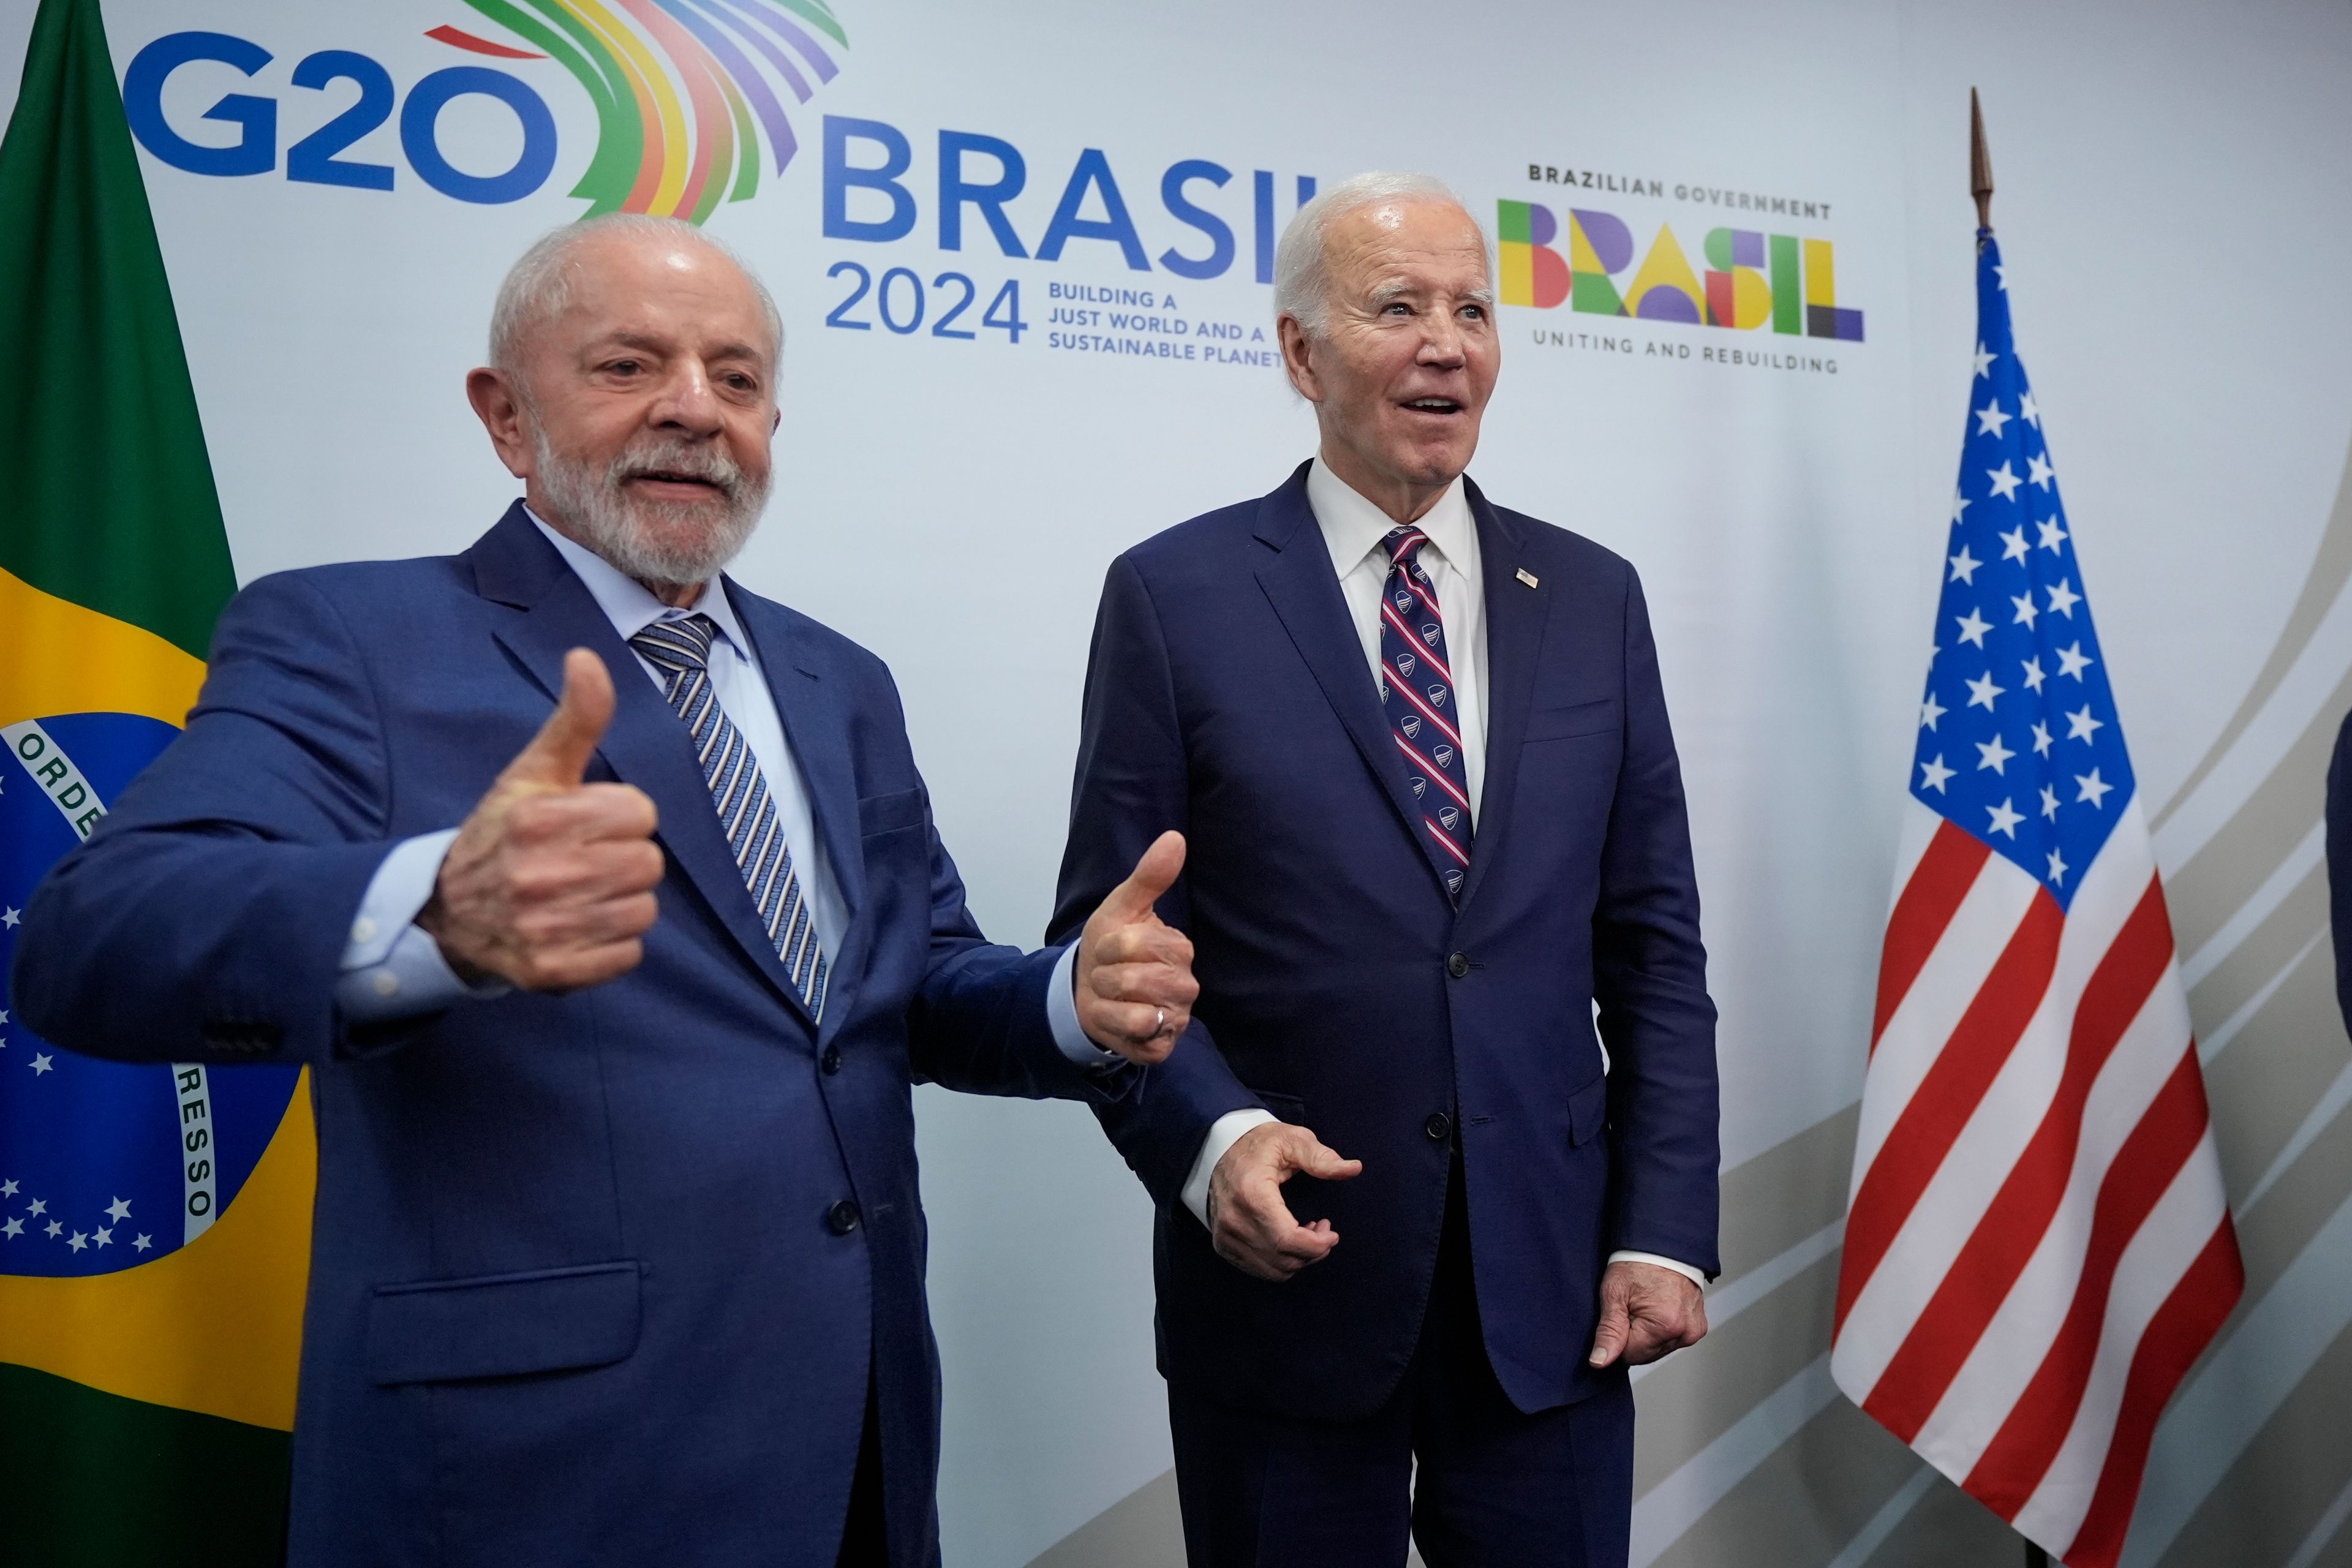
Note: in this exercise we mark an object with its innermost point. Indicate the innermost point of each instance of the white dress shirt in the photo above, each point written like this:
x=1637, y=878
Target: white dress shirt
x=1353, y=528
x=392, y=968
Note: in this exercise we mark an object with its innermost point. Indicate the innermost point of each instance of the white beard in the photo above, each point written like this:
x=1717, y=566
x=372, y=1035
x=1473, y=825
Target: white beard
x=671, y=543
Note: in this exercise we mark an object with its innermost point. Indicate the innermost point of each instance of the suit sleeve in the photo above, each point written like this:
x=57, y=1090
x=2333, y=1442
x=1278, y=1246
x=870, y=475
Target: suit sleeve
x=1650, y=982
x=205, y=919
x=979, y=1023
x=1132, y=786
x=2339, y=864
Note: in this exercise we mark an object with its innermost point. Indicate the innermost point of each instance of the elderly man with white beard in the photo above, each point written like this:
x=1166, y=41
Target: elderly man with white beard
x=602, y=898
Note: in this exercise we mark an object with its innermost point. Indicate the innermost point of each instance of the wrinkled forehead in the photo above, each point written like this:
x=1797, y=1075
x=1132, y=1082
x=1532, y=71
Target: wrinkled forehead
x=1422, y=241
x=668, y=288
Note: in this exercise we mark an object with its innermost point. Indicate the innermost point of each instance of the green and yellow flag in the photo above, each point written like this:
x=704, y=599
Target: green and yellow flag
x=154, y=1221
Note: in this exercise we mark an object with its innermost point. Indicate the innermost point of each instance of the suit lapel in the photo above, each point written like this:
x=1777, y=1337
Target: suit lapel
x=1304, y=592
x=645, y=745
x=1515, y=613
x=816, y=729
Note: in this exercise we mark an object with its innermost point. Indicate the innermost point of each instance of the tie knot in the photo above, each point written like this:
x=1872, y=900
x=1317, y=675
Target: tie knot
x=680, y=643
x=1403, y=544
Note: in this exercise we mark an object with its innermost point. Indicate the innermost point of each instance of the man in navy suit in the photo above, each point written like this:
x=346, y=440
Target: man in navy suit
x=1419, y=750
x=2338, y=818
x=618, y=1250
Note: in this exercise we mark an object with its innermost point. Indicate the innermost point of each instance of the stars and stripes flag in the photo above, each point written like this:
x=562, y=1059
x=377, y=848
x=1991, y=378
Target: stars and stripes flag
x=2037, y=1242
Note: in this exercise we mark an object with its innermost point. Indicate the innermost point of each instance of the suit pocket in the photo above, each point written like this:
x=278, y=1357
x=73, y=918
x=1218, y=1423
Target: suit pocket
x=1587, y=1110
x=1597, y=717
x=504, y=1325
x=888, y=812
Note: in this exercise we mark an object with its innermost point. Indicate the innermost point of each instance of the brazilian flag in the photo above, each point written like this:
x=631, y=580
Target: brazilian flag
x=154, y=1220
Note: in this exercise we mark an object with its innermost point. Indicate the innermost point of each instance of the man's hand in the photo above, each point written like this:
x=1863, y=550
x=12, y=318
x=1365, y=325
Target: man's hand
x=1646, y=1312
x=550, y=883
x=1134, y=980
x=1249, y=1224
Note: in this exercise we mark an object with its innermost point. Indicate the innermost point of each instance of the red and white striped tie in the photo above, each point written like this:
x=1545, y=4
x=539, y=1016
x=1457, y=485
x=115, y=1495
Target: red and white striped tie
x=1417, y=690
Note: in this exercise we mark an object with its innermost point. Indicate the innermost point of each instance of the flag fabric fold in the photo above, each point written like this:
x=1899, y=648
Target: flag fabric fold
x=2037, y=1241
x=153, y=1218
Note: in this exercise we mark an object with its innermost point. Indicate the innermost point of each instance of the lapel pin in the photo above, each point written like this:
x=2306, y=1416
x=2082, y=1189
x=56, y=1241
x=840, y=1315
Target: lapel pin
x=1527, y=577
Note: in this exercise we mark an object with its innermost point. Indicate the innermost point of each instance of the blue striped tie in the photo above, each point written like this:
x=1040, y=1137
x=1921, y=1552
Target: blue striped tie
x=680, y=648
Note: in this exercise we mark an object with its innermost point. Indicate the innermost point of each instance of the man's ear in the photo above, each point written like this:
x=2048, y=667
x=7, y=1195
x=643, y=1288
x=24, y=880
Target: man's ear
x=1296, y=359
x=500, y=408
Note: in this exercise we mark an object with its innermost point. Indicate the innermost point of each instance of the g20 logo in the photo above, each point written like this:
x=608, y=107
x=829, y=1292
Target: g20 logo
x=316, y=157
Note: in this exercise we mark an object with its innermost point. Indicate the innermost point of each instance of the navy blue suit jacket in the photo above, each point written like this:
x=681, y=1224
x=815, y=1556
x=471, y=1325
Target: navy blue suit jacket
x=1228, y=696
x=2338, y=817
x=580, y=1292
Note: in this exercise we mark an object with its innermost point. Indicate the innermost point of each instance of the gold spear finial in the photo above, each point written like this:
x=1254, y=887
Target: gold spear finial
x=1979, y=164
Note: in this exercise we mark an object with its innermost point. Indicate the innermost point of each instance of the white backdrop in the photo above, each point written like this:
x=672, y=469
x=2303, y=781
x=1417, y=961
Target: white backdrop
x=2173, y=206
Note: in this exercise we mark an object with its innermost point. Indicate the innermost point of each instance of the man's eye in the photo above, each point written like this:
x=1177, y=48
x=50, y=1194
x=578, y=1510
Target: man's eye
x=625, y=367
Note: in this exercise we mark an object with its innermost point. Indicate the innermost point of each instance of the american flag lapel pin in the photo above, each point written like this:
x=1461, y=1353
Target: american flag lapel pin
x=1527, y=576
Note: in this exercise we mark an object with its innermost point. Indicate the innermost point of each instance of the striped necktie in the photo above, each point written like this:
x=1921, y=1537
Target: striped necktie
x=1417, y=690
x=681, y=649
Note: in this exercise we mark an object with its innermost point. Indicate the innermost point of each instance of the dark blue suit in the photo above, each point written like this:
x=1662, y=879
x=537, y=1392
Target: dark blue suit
x=595, y=1278
x=1229, y=697
x=2339, y=864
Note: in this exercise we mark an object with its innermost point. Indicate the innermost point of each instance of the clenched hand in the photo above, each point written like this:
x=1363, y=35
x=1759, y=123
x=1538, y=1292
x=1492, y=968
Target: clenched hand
x=550, y=883
x=1646, y=1312
x=1134, y=980
x=1249, y=1224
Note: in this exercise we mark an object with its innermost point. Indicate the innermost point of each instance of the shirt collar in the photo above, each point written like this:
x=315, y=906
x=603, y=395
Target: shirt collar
x=1353, y=526
x=628, y=604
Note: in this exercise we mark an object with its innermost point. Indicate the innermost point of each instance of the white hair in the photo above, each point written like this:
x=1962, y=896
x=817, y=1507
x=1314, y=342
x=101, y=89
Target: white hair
x=1302, y=284
x=537, y=286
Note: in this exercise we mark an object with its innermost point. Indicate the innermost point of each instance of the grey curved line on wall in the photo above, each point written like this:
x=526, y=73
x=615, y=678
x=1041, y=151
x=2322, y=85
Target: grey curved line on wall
x=2220, y=875
x=2329, y=570
x=2263, y=1082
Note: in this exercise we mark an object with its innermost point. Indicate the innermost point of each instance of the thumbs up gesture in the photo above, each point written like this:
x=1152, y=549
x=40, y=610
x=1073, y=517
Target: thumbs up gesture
x=1134, y=979
x=549, y=885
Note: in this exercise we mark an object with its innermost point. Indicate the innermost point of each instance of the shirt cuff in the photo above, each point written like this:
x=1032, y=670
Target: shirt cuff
x=1061, y=1014
x=1684, y=1269
x=390, y=967
x=1224, y=1134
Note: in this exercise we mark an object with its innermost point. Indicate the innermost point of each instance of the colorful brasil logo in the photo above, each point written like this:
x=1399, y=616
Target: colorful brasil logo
x=1798, y=300
x=658, y=150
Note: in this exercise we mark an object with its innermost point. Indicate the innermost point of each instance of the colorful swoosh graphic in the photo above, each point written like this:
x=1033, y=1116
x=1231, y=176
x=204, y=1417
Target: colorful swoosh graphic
x=681, y=88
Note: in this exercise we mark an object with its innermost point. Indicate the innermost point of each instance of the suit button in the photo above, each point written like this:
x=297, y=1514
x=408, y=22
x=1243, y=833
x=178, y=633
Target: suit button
x=1458, y=965
x=841, y=1217
x=831, y=1061
x=1439, y=1126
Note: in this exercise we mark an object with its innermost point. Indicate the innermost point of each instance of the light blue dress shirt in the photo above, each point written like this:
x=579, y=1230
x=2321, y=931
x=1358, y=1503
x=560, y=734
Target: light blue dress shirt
x=393, y=969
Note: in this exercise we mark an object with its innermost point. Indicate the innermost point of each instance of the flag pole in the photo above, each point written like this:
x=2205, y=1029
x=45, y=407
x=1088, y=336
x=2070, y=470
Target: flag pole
x=1980, y=166
x=1980, y=188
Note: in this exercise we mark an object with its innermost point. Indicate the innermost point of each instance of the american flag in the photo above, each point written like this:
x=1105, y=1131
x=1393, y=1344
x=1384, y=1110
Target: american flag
x=2037, y=1243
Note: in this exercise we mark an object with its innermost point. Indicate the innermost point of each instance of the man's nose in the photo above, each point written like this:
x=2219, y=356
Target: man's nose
x=1442, y=342
x=687, y=401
